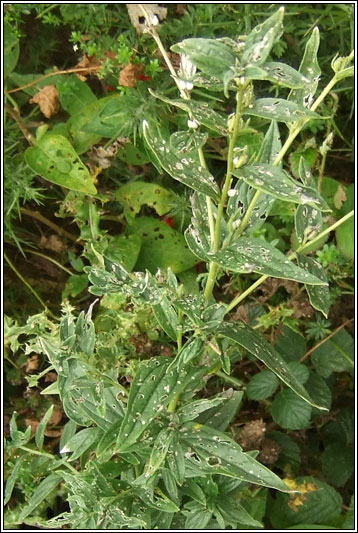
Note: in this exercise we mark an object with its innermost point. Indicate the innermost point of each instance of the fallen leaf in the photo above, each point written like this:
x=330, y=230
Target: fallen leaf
x=53, y=243
x=90, y=64
x=129, y=75
x=47, y=99
x=56, y=418
x=51, y=377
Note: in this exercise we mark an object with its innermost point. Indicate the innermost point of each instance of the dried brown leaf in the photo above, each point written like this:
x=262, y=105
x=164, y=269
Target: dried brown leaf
x=47, y=99
x=129, y=75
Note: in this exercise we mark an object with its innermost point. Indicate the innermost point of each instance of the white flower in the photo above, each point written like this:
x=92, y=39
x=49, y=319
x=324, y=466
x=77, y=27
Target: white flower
x=75, y=47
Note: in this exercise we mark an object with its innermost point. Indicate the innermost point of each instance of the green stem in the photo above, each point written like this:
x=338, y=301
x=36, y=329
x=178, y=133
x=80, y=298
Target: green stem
x=213, y=268
x=258, y=282
x=238, y=384
x=44, y=454
x=11, y=265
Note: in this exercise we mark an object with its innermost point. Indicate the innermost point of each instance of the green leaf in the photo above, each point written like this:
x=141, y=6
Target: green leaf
x=159, y=451
x=81, y=442
x=133, y=195
x=335, y=355
x=255, y=255
x=151, y=391
x=192, y=410
x=75, y=284
x=197, y=519
x=319, y=390
x=11, y=480
x=114, y=115
x=308, y=222
x=234, y=513
x=290, y=411
x=133, y=154
x=55, y=160
x=199, y=111
x=338, y=463
x=260, y=40
x=290, y=452
x=191, y=349
x=219, y=417
x=349, y=521
x=241, y=195
x=11, y=50
x=278, y=73
x=39, y=435
x=40, y=494
x=156, y=500
x=290, y=344
x=162, y=246
x=318, y=294
x=214, y=452
x=198, y=234
x=209, y=55
x=345, y=239
x=320, y=506
x=262, y=385
x=124, y=249
x=309, y=68
x=279, y=184
x=301, y=371
x=257, y=345
x=74, y=94
x=184, y=169
x=280, y=110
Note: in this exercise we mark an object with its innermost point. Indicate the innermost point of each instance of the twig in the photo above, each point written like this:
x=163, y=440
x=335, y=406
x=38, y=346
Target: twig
x=326, y=339
x=52, y=225
x=69, y=71
x=15, y=115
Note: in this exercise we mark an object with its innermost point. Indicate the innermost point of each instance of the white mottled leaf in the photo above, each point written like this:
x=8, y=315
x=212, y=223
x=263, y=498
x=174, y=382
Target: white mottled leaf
x=184, y=169
x=280, y=110
x=258, y=346
x=309, y=68
x=260, y=40
x=255, y=255
x=318, y=294
x=278, y=183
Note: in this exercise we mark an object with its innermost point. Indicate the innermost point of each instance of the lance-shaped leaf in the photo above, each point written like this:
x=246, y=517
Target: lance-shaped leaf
x=200, y=111
x=41, y=492
x=198, y=234
x=214, y=452
x=184, y=169
x=55, y=160
x=153, y=387
x=277, y=182
x=280, y=110
x=40, y=431
x=211, y=56
x=260, y=40
x=192, y=410
x=220, y=417
x=257, y=345
x=309, y=68
x=279, y=73
x=318, y=295
x=157, y=456
x=308, y=221
x=167, y=317
x=255, y=255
